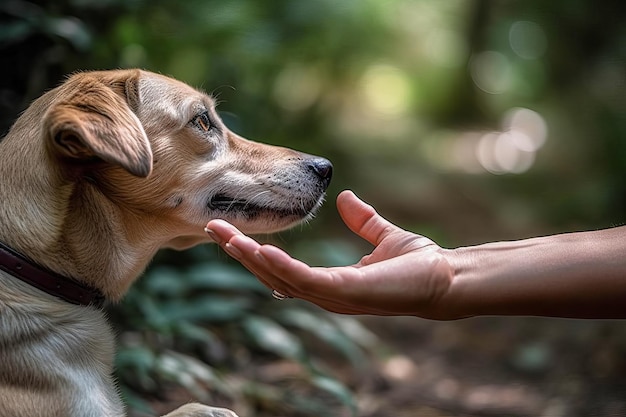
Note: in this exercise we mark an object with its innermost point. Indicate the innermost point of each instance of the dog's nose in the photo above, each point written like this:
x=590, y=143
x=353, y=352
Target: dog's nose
x=322, y=168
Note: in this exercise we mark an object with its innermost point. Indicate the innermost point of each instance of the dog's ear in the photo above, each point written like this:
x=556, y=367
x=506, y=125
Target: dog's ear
x=94, y=122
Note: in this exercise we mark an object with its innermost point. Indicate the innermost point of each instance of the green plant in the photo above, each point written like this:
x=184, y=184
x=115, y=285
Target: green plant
x=212, y=331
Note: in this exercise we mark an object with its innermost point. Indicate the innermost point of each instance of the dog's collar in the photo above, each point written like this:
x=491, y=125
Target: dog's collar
x=48, y=281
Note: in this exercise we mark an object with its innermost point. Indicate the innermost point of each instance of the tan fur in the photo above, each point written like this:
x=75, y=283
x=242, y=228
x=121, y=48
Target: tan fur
x=97, y=175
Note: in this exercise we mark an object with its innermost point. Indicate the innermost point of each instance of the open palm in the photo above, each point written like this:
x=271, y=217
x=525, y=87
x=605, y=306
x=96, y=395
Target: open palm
x=405, y=274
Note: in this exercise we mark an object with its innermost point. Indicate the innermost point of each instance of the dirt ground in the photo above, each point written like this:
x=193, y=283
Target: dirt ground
x=501, y=367
x=484, y=367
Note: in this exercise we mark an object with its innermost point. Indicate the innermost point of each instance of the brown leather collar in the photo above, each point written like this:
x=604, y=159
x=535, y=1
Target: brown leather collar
x=48, y=281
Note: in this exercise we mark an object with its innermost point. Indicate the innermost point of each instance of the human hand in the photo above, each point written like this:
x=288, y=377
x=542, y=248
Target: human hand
x=405, y=274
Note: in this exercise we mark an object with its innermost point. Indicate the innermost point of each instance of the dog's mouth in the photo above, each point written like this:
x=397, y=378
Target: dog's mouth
x=222, y=202
x=275, y=201
x=237, y=206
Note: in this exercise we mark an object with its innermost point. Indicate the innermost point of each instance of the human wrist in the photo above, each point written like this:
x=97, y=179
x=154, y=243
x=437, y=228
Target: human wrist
x=461, y=293
x=497, y=278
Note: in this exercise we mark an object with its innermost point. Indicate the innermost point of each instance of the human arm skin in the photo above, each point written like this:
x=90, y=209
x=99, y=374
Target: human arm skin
x=576, y=275
x=570, y=275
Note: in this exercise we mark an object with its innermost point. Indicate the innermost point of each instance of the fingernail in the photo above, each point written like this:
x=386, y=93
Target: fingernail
x=232, y=251
x=212, y=235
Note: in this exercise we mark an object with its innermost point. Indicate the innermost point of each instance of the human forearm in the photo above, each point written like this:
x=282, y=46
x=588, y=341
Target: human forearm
x=570, y=275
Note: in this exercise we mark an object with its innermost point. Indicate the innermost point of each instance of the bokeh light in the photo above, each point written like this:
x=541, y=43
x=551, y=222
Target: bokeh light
x=511, y=150
x=528, y=127
x=509, y=157
x=492, y=72
x=527, y=39
x=386, y=90
x=297, y=87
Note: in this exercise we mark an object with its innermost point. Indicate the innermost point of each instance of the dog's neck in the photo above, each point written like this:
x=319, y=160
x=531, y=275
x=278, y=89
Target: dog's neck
x=68, y=227
x=77, y=237
x=48, y=281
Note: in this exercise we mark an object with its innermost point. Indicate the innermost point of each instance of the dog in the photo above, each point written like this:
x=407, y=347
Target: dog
x=97, y=175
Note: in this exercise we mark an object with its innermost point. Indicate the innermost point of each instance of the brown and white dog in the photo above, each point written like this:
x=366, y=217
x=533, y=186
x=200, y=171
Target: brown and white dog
x=96, y=176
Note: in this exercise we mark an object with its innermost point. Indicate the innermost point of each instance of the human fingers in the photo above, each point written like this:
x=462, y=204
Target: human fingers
x=282, y=272
x=278, y=271
x=224, y=234
x=263, y=265
x=346, y=290
x=378, y=289
x=289, y=276
x=221, y=231
x=363, y=219
x=337, y=289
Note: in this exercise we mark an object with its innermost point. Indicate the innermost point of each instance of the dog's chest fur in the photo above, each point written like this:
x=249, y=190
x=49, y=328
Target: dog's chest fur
x=78, y=344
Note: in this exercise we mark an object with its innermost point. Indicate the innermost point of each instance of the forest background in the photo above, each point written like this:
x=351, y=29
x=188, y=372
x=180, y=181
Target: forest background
x=465, y=121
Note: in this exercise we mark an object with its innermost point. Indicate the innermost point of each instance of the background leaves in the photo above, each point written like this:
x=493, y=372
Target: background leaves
x=466, y=121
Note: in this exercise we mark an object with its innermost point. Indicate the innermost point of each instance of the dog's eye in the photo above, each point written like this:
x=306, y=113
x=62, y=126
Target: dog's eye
x=202, y=121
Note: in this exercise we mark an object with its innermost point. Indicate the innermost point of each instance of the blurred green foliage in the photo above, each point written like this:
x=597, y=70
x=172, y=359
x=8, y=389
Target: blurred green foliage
x=466, y=121
x=398, y=93
x=207, y=326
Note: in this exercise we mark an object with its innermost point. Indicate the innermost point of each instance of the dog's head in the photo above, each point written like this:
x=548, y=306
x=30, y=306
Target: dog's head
x=158, y=151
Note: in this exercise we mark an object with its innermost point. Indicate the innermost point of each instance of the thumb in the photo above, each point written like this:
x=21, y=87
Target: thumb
x=363, y=219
